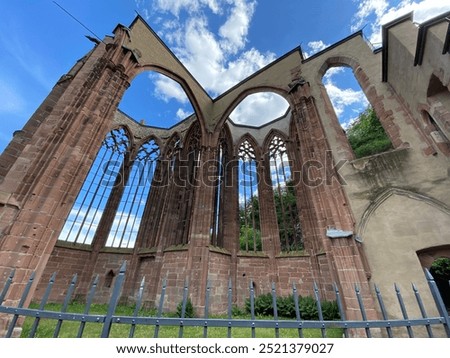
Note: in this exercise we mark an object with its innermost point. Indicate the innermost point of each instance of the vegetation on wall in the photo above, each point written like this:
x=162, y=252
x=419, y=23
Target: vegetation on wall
x=366, y=135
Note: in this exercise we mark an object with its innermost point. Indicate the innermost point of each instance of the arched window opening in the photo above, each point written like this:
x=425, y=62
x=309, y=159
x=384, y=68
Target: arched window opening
x=187, y=183
x=157, y=100
x=259, y=108
x=290, y=232
x=357, y=118
x=219, y=197
x=87, y=210
x=440, y=269
x=249, y=218
x=128, y=216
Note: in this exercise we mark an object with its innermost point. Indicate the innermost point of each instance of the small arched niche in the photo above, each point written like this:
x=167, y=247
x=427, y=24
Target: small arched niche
x=156, y=100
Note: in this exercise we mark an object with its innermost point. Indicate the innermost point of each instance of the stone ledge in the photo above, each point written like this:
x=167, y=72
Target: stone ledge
x=219, y=250
x=252, y=254
x=73, y=246
x=116, y=250
x=292, y=254
x=177, y=248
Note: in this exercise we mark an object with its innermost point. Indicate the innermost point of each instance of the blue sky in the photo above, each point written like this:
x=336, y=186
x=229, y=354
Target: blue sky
x=221, y=42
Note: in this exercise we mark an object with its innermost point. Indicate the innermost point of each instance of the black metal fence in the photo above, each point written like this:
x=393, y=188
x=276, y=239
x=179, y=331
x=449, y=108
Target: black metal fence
x=384, y=326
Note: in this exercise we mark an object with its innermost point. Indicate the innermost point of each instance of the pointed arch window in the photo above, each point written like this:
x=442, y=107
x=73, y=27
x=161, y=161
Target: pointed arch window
x=127, y=220
x=220, y=184
x=186, y=183
x=87, y=210
x=290, y=232
x=249, y=218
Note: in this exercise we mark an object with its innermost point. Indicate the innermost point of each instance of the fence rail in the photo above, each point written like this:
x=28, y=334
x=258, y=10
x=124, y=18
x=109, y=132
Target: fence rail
x=159, y=320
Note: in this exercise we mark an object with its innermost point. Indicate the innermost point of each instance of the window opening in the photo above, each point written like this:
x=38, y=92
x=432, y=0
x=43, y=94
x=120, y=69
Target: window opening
x=128, y=217
x=87, y=210
x=216, y=231
x=290, y=233
x=250, y=231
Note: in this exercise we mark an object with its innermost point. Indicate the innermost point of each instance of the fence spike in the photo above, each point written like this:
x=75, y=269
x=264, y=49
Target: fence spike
x=340, y=306
x=206, y=313
x=137, y=307
x=65, y=304
x=362, y=309
x=275, y=309
x=422, y=309
x=230, y=305
x=87, y=307
x=183, y=307
x=252, y=307
x=319, y=308
x=160, y=306
x=297, y=309
x=438, y=301
x=403, y=309
x=383, y=310
x=20, y=305
x=117, y=289
x=8, y=283
x=42, y=305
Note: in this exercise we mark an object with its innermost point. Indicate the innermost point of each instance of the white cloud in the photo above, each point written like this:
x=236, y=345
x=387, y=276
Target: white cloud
x=167, y=89
x=191, y=6
x=235, y=29
x=259, y=108
x=344, y=99
x=315, y=46
x=217, y=60
x=378, y=13
x=182, y=114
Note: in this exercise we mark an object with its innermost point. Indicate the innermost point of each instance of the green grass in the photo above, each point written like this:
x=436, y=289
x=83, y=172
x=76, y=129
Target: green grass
x=93, y=330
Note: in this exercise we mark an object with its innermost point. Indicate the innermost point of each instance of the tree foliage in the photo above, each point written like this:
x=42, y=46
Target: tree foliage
x=366, y=136
x=287, y=217
x=249, y=228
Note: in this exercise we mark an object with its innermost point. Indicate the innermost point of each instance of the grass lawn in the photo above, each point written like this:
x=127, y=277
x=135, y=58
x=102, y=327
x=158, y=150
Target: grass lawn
x=93, y=330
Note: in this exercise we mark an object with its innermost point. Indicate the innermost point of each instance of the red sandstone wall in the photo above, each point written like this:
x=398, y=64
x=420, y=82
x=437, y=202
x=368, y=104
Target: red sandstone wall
x=219, y=274
x=174, y=271
x=66, y=262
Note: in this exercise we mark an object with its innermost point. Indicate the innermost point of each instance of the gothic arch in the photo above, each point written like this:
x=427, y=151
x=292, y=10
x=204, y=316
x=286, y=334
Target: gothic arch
x=181, y=81
x=139, y=143
x=173, y=139
x=385, y=195
x=248, y=137
x=274, y=132
x=370, y=91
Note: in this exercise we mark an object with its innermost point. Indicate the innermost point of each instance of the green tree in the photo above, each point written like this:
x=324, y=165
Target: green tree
x=366, y=136
x=287, y=216
x=249, y=227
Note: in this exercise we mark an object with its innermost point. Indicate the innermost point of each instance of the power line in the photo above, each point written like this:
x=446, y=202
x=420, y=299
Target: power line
x=73, y=17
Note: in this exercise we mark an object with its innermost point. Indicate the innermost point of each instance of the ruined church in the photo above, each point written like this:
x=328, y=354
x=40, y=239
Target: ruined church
x=85, y=187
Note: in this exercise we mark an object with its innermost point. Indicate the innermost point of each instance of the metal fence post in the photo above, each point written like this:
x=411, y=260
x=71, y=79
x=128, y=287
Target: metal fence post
x=114, y=301
x=439, y=302
x=20, y=305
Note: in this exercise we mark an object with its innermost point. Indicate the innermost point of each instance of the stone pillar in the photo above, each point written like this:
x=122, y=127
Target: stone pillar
x=201, y=224
x=41, y=184
x=328, y=203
